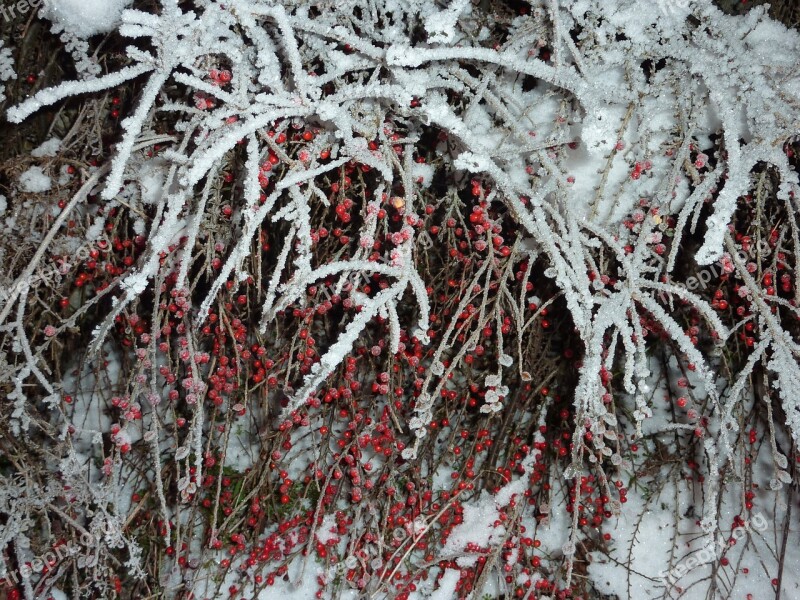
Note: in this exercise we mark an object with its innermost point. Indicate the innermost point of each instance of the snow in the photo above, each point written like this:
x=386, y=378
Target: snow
x=48, y=148
x=422, y=173
x=35, y=181
x=326, y=531
x=643, y=545
x=447, y=585
x=657, y=547
x=86, y=18
x=150, y=177
x=478, y=528
x=441, y=25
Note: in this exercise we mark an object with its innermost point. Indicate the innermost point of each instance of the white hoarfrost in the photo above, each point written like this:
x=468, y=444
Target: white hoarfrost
x=6, y=69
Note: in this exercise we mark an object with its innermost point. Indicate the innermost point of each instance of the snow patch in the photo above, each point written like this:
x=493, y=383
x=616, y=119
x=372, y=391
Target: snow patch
x=34, y=181
x=325, y=532
x=48, y=148
x=86, y=18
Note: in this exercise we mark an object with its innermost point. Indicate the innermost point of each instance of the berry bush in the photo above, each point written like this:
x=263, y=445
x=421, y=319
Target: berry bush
x=399, y=299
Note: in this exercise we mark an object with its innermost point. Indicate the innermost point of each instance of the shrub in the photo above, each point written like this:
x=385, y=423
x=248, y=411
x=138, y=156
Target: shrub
x=403, y=298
